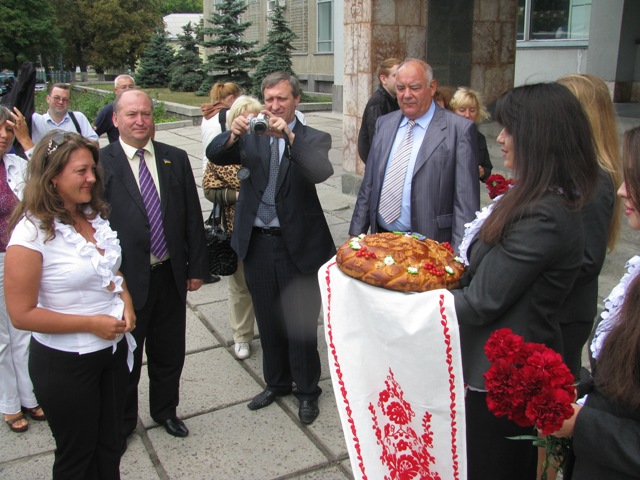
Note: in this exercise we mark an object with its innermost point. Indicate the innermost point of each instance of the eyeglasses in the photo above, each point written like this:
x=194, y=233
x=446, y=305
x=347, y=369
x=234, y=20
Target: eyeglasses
x=59, y=99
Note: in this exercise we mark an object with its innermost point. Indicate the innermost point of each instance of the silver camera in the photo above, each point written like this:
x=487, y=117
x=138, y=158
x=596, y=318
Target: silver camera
x=259, y=124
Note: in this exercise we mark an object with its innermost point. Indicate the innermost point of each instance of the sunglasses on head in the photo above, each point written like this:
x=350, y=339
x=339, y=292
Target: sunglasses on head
x=58, y=139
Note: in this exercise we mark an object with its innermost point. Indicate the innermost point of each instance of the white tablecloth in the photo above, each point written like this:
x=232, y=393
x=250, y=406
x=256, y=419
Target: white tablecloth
x=397, y=375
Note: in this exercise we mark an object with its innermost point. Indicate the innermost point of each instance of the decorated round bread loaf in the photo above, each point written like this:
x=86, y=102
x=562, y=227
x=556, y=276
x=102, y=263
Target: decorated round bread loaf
x=399, y=261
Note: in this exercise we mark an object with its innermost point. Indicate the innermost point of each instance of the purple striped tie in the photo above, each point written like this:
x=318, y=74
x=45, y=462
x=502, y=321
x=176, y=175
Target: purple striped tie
x=391, y=195
x=154, y=212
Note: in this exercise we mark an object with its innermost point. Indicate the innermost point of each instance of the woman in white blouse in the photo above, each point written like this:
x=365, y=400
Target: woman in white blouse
x=606, y=423
x=16, y=391
x=63, y=284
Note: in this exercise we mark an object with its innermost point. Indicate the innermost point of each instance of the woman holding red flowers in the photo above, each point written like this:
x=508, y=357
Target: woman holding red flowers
x=524, y=258
x=606, y=430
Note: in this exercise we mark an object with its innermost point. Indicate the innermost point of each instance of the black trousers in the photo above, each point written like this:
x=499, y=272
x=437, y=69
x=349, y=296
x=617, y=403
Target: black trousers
x=83, y=397
x=287, y=305
x=161, y=329
x=490, y=454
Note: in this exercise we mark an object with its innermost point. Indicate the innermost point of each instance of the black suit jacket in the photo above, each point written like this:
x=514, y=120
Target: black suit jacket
x=181, y=216
x=520, y=282
x=303, y=165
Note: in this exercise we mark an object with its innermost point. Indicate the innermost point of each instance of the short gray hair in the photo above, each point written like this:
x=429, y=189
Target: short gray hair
x=428, y=71
x=115, y=80
x=276, y=77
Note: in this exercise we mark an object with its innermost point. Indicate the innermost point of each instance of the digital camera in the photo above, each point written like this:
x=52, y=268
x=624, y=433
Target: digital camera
x=259, y=124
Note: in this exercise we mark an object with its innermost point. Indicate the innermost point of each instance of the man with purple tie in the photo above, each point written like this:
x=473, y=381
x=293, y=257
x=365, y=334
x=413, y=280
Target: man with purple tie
x=156, y=213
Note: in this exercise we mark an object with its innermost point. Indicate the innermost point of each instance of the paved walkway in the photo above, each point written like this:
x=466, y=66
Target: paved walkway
x=227, y=440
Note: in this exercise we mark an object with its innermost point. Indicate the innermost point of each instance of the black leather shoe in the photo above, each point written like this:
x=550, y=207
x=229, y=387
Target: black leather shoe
x=263, y=399
x=211, y=279
x=175, y=427
x=308, y=411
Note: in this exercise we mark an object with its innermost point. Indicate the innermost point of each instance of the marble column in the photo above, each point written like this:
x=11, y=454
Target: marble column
x=374, y=30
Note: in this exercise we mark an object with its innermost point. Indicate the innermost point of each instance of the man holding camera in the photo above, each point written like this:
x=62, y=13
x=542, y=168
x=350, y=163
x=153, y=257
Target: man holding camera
x=281, y=235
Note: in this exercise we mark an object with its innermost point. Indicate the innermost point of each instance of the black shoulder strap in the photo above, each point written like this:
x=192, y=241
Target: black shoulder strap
x=75, y=121
x=222, y=116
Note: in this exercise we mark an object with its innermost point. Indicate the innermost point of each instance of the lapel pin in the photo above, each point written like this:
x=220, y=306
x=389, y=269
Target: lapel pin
x=167, y=162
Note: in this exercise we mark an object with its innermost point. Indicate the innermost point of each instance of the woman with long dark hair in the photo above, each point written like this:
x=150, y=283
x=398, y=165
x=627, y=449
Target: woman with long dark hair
x=606, y=425
x=523, y=258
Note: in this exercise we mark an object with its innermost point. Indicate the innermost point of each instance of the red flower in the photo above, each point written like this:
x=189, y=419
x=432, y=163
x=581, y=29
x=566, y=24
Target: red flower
x=503, y=344
x=529, y=384
x=549, y=409
x=497, y=185
x=407, y=467
x=397, y=414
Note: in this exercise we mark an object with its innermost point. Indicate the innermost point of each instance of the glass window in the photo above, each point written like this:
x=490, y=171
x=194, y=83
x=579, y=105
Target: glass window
x=553, y=19
x=325, y=26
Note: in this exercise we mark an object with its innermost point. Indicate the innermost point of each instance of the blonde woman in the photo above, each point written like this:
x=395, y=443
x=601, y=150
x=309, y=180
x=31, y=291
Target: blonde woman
x=600, y=217
x=468, y=103
x=221, y=186
x=222, y=96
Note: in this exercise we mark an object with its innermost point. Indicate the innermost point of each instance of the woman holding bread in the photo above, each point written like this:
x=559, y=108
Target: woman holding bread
x=523, y=258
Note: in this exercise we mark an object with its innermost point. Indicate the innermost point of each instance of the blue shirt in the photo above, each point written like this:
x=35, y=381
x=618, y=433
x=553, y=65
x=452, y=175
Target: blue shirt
x=403, y=222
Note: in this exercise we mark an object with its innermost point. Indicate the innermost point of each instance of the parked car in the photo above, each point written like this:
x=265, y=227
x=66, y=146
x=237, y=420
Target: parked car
x=7, y=80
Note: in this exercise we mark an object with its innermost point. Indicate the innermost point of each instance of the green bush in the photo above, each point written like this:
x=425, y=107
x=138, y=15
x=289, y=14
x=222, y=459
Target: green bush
x=90, y=104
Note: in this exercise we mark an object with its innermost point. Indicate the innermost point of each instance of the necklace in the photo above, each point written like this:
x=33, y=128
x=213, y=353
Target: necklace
x=84, y=227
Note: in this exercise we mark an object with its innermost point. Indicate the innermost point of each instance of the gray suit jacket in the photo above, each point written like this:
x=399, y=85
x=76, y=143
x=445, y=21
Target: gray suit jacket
x=445, y=193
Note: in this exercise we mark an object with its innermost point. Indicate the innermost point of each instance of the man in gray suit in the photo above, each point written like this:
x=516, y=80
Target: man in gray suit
x=422, y=171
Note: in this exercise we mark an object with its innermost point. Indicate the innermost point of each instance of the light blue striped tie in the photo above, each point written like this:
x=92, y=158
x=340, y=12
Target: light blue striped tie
x=391, y=195
x=152, y=204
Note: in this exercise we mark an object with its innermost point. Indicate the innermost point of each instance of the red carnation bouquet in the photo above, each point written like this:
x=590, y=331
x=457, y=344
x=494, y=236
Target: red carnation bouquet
x=529, y=384
x=498, y=185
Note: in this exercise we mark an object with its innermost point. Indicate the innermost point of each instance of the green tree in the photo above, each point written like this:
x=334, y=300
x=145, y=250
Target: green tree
x=106, y=34
x=181, y=6
x=122, y=31
x=28, y=30
x=233, y=57
x=155, y=63
x=275, y=55
x=186, y=70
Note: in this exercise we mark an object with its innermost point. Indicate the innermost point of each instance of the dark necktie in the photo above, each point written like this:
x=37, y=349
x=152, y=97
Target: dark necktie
x=391, y=195
x=152, y=204
x=267, y=208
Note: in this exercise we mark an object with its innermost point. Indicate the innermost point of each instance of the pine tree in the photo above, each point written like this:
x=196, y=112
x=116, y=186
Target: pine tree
x=275, y=55
x=233, y=58
x=186, y=70
x=155, y=62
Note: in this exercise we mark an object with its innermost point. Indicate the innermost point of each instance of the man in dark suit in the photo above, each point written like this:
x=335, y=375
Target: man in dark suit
x=282, y=236
x=422, y=170
x=156, y=212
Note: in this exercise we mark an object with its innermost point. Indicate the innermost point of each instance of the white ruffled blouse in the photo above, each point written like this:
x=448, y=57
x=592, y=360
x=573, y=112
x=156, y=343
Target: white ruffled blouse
x=77, y=279
x=472, y=228
x=613, y=304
